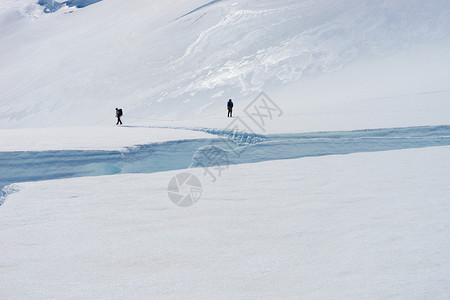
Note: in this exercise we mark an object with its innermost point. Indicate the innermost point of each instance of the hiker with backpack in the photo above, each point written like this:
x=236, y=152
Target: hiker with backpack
x=230, y=108
x=119, y=113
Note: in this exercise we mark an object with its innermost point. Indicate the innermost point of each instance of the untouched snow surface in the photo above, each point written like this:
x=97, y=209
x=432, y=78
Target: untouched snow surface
x=368, y=225
x=90, y=138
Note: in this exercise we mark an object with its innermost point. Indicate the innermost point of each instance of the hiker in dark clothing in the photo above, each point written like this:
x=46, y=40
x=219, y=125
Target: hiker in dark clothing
x=119, y=113
x=230, y=108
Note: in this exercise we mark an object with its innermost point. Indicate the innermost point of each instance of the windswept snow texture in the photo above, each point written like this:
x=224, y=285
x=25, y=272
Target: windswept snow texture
x=232, y=148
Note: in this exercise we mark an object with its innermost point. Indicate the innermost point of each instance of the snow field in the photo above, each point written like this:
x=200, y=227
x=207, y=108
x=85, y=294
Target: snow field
x=368, y=225
x=90, y=138
x=355, y=226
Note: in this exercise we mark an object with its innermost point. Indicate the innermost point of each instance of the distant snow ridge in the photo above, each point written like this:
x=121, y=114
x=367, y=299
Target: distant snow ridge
x=51, y=6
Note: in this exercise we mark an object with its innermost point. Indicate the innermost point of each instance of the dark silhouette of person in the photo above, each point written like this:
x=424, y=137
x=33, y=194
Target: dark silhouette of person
x=230, y=108
x=118, y=115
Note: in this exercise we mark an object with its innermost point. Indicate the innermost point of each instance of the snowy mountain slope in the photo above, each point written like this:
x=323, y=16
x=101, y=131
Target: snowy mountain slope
x=369, y=225
x=183, y=59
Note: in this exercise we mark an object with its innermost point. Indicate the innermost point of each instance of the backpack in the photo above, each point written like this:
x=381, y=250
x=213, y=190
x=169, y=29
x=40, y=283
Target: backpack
x=120, y=112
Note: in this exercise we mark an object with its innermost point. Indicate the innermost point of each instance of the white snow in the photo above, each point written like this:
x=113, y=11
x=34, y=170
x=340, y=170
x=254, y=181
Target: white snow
x=370, y=225
x=89, y=138
x=312, y=57
x=356, y=226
